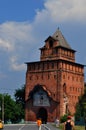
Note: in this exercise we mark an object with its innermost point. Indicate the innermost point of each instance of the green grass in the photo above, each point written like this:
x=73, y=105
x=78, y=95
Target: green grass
x=79, y=128
x=76, y=127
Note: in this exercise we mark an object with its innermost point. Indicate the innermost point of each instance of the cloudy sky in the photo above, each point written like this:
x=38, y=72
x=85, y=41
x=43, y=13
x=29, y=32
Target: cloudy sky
x=24, y=26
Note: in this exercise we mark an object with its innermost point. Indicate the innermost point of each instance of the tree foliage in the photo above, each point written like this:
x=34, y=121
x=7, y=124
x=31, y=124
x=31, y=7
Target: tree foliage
x=63, y=118
x=20, y=100
x=12, y=111
x=13, y=108
x=81, y=106
x=20, y=96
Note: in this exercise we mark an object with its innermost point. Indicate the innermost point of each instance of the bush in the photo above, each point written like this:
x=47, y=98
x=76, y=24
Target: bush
x=63, y=118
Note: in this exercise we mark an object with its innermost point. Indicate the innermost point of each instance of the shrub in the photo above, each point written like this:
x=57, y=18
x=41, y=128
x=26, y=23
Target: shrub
x=63, y=118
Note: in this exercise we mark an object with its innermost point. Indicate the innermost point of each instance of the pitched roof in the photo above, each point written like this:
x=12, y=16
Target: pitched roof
x=61, y=40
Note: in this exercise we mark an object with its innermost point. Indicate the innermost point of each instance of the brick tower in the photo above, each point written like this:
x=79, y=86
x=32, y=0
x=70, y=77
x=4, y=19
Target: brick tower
x=53, y=84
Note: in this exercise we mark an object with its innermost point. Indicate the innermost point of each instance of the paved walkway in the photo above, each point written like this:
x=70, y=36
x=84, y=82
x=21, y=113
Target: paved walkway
x=51, y=126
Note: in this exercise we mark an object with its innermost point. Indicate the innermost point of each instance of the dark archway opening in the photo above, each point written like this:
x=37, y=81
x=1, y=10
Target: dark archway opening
x=42, y=113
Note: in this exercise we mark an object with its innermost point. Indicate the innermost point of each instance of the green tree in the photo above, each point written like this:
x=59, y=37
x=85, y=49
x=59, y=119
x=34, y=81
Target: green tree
x=12, y=110
x=63, y=118
x=81, y=107
x=20, y=99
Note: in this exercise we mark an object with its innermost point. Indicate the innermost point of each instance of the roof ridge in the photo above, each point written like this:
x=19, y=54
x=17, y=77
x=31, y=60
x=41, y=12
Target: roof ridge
x=61, y=39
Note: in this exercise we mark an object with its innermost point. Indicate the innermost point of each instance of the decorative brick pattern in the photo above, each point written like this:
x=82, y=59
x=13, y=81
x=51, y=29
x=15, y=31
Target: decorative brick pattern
x=60, y=77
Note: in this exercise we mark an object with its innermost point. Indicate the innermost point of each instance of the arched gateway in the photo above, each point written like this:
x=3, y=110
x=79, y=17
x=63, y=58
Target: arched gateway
x=39, y=103
x=42, y=113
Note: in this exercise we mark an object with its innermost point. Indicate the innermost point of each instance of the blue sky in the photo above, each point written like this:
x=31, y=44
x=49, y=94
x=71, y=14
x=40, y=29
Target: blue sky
x=24, y=26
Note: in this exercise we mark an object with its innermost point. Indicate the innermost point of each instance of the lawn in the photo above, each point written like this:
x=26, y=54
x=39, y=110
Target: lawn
x=76, y=127
x=79, y=127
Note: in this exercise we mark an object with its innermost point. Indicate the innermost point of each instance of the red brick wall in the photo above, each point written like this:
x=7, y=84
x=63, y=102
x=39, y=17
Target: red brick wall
x=53, y=80
x=60, y=75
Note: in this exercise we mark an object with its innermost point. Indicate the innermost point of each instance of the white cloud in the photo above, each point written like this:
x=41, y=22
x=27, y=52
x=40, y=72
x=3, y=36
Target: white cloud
x=63, y=10
x=15, y=31
x=15, y=66
x=15, y=39
x=6, y=45
x=22, y=38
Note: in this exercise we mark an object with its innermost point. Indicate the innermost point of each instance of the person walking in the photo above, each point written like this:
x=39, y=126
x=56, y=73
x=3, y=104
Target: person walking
x=57, y=122
x=39, y=122
x=69, y=124
x=1, y=125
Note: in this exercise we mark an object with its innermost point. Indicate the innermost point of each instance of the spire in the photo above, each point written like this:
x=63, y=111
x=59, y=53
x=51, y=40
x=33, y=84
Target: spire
x=62, y=41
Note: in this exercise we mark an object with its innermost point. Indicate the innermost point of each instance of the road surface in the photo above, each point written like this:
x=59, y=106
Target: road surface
x=28, y=127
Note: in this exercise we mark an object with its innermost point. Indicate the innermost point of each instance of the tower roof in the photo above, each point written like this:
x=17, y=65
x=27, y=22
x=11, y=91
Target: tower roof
x=61, y=40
